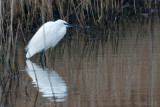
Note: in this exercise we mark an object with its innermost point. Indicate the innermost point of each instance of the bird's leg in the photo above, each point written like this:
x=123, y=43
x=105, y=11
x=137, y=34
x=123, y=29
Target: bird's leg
x=41, y=56
x=45, y=60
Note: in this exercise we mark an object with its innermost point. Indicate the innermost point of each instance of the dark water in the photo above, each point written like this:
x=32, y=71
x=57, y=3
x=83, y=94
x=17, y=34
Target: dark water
x=119, y=68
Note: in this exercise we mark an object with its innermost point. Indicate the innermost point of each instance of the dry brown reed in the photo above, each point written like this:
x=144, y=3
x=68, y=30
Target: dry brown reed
x=23, y=17
x=30, y=14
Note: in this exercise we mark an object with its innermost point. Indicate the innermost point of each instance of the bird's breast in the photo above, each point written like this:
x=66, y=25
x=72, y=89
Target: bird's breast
x=56, y=36
x=62, y=32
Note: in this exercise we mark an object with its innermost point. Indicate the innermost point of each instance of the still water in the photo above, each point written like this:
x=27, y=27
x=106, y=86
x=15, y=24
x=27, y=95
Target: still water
x=114, y=68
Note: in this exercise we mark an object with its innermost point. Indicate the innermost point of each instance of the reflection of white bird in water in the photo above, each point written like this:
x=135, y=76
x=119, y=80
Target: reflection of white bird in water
x=47, y=36
x=48, y=82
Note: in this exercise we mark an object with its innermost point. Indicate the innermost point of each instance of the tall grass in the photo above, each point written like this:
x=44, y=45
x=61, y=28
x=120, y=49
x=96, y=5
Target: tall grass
x=22, y=18
x=29, y=14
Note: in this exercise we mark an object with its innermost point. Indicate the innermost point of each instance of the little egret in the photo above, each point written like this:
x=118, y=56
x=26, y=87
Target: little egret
x=47, y=36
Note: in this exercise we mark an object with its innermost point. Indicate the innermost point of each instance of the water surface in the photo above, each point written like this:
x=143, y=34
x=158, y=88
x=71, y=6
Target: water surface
x=114, y=68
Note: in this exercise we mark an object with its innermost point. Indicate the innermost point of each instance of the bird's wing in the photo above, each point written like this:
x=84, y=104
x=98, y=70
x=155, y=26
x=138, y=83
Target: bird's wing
x=40, y=40
x=47, y=36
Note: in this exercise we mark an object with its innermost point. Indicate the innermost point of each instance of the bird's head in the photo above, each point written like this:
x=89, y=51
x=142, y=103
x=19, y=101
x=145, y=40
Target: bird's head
x=64, y=23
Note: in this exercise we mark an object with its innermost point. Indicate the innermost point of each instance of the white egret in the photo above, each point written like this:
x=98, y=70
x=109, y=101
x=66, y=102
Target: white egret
x=47, y=36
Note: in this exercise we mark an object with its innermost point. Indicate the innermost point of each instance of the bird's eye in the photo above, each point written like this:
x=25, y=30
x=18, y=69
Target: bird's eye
x=65, y=23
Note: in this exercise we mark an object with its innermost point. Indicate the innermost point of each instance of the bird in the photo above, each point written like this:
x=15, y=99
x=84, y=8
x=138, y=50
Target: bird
x=48, y=36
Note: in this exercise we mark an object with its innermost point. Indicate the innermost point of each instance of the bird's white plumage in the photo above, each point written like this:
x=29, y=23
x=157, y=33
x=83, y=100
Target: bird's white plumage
x=47, y=36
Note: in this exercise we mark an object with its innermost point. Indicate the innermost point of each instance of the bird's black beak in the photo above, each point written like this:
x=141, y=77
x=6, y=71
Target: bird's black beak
x=71, y=25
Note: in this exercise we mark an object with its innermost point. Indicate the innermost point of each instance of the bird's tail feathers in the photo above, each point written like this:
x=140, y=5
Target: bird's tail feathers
x=28, y=55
